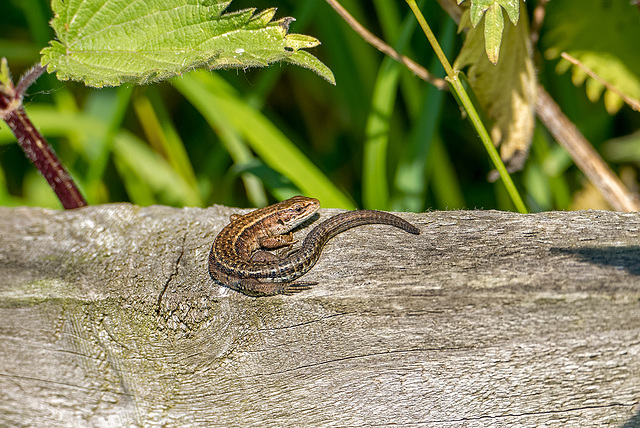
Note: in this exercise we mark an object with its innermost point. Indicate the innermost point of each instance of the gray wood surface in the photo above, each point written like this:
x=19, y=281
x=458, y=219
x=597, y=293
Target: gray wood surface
x=109, y=318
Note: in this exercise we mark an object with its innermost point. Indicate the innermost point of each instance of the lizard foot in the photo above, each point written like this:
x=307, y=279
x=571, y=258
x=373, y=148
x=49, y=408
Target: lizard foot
x=296, y=287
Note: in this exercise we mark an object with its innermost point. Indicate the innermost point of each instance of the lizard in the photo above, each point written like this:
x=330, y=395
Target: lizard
x=238, y=259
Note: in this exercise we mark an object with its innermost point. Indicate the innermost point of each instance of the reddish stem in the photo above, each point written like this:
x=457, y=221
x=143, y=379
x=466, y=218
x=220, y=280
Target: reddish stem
x=35, y=147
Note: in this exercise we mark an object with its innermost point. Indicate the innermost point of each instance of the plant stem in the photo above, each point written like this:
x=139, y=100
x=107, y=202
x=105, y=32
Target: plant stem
x=374, y=41
x=474, y=117
x=35, y=147
x=431, y=37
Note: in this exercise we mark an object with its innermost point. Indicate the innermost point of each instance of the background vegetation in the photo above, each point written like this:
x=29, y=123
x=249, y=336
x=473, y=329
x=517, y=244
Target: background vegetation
x=184, y=142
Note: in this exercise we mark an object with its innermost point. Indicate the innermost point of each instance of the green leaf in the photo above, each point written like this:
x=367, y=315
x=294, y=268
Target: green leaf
x=506, y=91
x=477, y=11
x=493, y=22
x=512, y=7
x=5, y=76
x=604, y=37
x=479, y=7
x=623, y=150
x=110, y=42
x=493, y=27
x=306, y=60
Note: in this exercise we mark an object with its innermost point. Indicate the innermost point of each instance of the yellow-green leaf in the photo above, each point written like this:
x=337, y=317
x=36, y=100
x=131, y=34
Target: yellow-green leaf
x=493, y=27
x=493, y=21
x=603, y=36
x=505, y=91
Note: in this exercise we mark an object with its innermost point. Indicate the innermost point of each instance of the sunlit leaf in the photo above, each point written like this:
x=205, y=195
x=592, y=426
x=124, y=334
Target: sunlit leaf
x=493, y=21
x=479, y=7
x=603, y=36
x=109, y=42
x=493, y=27
x=5, y=77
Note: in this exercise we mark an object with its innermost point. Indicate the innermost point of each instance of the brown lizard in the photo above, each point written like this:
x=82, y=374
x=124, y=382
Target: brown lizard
x=237, y=259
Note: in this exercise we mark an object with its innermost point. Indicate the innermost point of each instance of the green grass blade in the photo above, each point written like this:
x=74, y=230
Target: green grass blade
x=375, y=189
x=214, y=97
x=446, y=187
x=109, y=107
x=162, y=134
x=412, y=176
x=148, y=177
x=232, y=141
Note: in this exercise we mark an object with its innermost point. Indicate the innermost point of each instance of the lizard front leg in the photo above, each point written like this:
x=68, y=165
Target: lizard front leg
x=277, y=241
x=272, y=243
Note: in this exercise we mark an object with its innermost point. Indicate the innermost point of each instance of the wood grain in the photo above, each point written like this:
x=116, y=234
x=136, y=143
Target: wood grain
x=109, y=318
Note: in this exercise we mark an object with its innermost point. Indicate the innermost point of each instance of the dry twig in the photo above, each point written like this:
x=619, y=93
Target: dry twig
x=374, y=41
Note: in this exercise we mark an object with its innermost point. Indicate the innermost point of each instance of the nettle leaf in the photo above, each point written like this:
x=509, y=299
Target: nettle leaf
x=493, y=21
x=110, y=42
x=506, y=90
x=604, y=36
x=5, y=76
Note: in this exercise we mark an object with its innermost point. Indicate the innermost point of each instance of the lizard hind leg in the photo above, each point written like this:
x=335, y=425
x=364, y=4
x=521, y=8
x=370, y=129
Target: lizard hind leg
x=255, y=288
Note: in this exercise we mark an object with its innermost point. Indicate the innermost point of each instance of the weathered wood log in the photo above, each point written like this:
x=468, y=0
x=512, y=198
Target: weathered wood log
x=109, y=318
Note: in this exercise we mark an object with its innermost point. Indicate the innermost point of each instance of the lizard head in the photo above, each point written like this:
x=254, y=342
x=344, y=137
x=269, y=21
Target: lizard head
x=294, y=211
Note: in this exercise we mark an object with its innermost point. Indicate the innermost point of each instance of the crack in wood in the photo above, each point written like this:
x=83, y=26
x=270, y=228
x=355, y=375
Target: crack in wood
x=539, y=413
x=172, y=274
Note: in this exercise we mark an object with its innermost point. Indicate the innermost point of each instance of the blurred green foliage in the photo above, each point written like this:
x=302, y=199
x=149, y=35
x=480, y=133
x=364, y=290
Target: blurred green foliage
x=249, y=137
